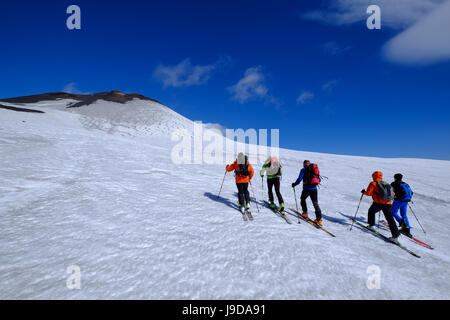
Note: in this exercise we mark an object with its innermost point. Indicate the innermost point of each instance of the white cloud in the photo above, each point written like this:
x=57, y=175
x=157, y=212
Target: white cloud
x=183, y=74
x=394, y=13
x=72, y=88
x=330, y=85
x=252, y=86
x=304, y=97
x=426, y=42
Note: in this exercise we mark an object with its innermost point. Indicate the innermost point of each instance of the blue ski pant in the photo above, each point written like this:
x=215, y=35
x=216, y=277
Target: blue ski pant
x=401, y=206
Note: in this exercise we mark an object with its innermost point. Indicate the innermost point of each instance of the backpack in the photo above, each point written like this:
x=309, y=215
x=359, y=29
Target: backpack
x=311, y=176
x=274, y=167
x=243, y=169
x=385, y=190
x=405, y=193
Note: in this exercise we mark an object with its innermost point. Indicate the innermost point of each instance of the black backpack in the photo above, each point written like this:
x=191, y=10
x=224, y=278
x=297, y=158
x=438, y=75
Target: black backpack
x=385, y=191
x=243, y=169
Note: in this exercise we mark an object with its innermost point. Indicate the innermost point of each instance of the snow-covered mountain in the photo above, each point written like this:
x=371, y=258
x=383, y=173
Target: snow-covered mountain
x=88, y=180
x=114, y=111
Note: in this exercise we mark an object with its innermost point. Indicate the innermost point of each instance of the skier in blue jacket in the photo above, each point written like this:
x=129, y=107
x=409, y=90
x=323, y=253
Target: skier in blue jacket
x=311, y=178
x=402, y=196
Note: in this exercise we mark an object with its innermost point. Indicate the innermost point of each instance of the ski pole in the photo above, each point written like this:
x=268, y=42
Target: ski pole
x=254, y=197
x=354, y=218
x=379, y=216
x=222, y=184
x=296, y=204
x=416, y=218
x=262, y=187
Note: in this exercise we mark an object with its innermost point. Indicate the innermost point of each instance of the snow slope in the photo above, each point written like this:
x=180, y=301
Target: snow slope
x=95, y=187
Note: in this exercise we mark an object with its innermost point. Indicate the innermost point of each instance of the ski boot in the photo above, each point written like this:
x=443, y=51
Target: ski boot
x=305, y=215
x=247, y=207
x=372, y=228
x=243, y=209
x=272, y=205
x=394, y=240
x=402, y=224
x=406, y=231
x=318, y=222
x=281, y=207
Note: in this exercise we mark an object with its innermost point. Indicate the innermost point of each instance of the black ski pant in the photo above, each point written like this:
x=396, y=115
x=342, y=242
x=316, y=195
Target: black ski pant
x=314, y=198
x=274, y=182
x=243, y=194
x=387, y=211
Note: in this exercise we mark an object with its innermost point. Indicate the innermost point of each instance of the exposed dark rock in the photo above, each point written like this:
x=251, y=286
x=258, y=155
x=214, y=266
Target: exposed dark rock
x=41, y=97
x=20, y=109
x=83, y=99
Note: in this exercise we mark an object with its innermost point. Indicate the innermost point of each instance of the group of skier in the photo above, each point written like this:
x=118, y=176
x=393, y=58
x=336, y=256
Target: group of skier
x=388, y=198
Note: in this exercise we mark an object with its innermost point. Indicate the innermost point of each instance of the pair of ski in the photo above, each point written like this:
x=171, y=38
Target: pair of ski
x=247, y=215
x=411, y=238
x=384, y=237
x=279, y=213
x=311, y=222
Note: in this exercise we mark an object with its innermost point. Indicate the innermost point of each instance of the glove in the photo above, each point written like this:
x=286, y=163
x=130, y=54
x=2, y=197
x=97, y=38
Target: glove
x=363, y=191
x=262, y=176
x=293, y=185
x=227, y=167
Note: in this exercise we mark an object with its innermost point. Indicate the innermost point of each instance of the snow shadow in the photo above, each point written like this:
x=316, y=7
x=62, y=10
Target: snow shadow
x=362, y=220
x=252, y=200
x=291, y=214
x=335, y=220
x=225, y=201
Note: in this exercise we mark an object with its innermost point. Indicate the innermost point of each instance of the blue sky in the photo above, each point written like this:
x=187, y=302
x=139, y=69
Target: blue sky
x=312, y=70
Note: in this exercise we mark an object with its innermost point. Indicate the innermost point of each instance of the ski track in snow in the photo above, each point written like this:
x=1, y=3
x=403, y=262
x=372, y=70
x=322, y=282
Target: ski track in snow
x=102, y=193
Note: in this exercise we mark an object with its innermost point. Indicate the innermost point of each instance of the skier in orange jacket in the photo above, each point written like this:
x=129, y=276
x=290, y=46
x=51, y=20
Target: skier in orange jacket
x=382, y=195
x=243, y=173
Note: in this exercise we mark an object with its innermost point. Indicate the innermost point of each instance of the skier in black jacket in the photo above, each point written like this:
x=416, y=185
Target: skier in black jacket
x=402, y=196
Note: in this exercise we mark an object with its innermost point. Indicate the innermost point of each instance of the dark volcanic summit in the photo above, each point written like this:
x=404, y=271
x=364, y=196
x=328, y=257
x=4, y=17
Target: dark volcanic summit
x=83, y=99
